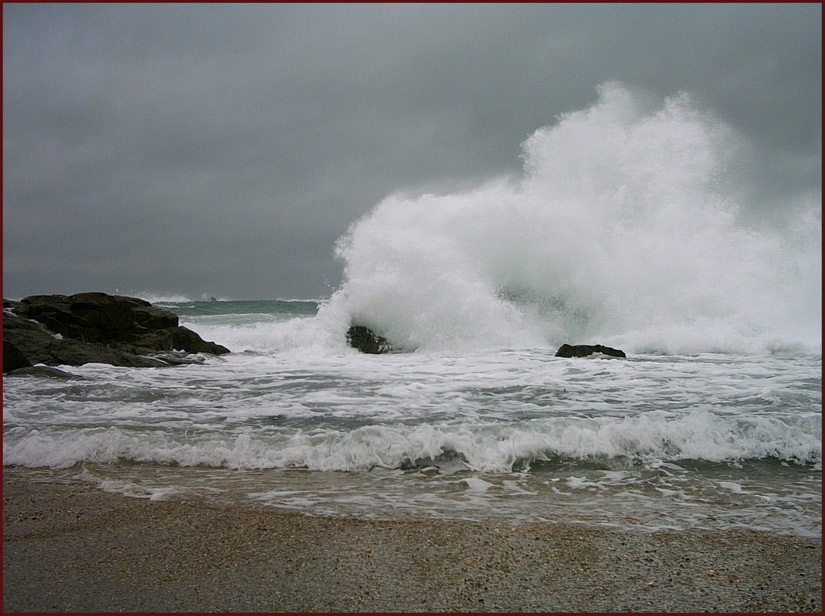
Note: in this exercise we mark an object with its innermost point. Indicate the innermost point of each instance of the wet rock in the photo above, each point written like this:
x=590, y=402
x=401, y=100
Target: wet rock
x=367, y=341
x=13, y=358
x=99, y=328
x=42, y=371
x=583, y=350
x=95, y=317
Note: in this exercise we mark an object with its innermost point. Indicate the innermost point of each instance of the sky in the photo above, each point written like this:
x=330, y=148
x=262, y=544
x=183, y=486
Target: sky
x=221, y=149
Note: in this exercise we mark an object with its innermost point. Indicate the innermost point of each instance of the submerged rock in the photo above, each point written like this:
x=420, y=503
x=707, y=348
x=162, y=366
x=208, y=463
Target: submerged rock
x=367, y=341
x=99, y=328
x=42, y=372
x=583, y=350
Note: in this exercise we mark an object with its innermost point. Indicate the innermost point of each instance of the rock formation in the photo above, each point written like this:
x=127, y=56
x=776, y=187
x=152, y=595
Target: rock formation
x=583, y=350
x=367, y=341
x=13, y=358
x=97, y=328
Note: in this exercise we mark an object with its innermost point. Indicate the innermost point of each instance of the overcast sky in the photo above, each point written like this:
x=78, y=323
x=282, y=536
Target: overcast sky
x=221, y=149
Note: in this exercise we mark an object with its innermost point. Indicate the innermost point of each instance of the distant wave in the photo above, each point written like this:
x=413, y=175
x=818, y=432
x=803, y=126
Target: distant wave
x=173, y=298
x=157, y=298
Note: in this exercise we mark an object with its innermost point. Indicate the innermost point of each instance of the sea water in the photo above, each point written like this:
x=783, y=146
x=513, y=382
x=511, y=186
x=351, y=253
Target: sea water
x=626, y=229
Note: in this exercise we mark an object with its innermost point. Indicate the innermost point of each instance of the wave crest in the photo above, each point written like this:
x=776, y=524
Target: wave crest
x=624, y=228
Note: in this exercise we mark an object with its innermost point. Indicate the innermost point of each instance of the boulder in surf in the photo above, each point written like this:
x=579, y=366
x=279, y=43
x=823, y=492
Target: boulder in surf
x=366, y=340
x=583, y=350
x=99, y=328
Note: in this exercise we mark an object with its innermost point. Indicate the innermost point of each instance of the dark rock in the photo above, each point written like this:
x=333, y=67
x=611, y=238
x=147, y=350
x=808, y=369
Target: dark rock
x=95, y=317
x=41, y=346
x=13, y=358
x=152, y=317
x=187, y=340
x=583, y=350
x=367, y=341
x=43, y=371
x=99, y=328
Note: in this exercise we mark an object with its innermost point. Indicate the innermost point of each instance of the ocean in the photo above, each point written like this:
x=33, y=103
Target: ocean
x=654, y=441
x=626, y=229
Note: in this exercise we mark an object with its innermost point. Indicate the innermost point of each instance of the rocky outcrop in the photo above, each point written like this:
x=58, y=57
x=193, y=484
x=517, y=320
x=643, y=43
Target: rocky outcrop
x=13, y=358
x=367, y=341
x=99, y=328
x=583, y=350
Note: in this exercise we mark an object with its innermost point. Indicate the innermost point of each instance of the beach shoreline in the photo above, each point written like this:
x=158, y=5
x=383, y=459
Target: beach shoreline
x=70, y=547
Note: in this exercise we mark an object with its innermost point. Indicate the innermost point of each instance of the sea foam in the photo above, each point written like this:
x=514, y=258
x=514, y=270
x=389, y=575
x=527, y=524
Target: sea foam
x=625, y=228
x=648, y=438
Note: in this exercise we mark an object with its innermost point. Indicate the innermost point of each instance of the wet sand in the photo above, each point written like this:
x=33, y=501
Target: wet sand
x=68, y=547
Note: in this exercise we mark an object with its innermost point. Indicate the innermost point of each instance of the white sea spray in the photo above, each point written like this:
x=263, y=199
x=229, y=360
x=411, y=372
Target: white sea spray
x=625, y=225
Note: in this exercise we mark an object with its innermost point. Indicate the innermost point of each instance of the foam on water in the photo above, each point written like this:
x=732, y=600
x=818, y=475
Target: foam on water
x=653, y=441
x=490, y=412
x=624, y=227
x=481, y=447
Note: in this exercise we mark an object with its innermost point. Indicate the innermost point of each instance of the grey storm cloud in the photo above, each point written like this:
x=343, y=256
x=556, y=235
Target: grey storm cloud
x=223, y=148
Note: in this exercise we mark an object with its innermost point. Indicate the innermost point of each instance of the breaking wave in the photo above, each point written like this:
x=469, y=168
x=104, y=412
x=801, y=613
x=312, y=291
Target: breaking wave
x=624, y=228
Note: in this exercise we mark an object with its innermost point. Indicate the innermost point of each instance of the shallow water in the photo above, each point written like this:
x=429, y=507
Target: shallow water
x=653, y=441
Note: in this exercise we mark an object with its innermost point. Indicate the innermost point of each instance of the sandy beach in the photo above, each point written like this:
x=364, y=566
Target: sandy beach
x=68, y=547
